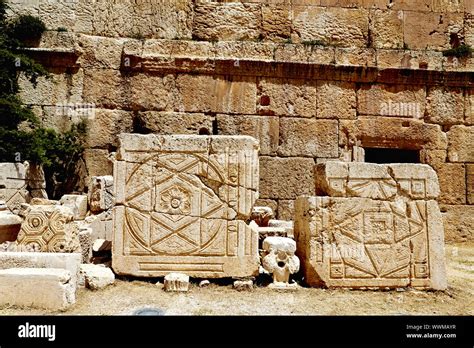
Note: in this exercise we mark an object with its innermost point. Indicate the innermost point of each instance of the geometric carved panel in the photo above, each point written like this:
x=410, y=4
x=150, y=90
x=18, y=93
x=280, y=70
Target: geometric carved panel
x=181, y=206
x=394, y=240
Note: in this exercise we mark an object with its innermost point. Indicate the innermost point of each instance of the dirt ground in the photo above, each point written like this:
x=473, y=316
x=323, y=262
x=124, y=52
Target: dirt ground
x=125, y=297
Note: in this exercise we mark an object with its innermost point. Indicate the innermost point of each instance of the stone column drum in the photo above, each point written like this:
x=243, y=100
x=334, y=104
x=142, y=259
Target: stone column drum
x=181, y=205
x=382, y=229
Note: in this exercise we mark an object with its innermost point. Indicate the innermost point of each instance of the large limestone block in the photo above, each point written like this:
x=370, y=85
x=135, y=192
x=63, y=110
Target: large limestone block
x=316, y=138
x=387, y=28
x=286, y=178
x=265, y=129
x=332, y=25
x=397, y=101
x=460, y=139
x=176, y=122
x=336, y=100
x=452, y=182
x=49, y=228
x=226, y=22
x=458, y=222
x=287, y=97
x=445, y=105
x=67, y=261
x=181, y=205
x=47, y=288
x=361, y=242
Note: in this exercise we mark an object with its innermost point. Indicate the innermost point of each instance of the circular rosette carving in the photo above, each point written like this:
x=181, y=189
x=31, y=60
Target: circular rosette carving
x=176, y=200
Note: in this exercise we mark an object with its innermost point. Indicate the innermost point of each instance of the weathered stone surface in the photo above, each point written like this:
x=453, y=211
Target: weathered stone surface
x=381, y=244
x=175, y=123
x=387, y=100
x=276, y=21
x=286, y=209
x=460, y=147
x=458, y=222
x=470, y=183
x=102, y=226
x=417, y=181
x=445, y=106
x=97, y=277
x=101, y=195
x=424, y=30
x=286, y=178
x=181, y=203
x=336, y=100
x=177, y=282
x=392, y=132
x=265, y=129
x=386, y=29
x=47, y=288
x=77, y=203
x=279, y=258
x=9, y=224
x=316, y=138
x=452, y=182
x=265, y=232
x=226, y=22
x=105, y=125
x=98, y=162
x=66, y=261
x=333, y=26
x=356, y=56
x=100, y=52
x=286, y=97
x=49, y=228
x=201, y=93
x=85, y=241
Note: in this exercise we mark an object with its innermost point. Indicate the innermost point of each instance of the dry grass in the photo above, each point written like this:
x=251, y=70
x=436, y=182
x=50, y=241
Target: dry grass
x=126, y=296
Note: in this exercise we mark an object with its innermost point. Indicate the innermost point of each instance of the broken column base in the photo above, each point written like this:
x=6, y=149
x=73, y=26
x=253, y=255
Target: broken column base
x=45, y=288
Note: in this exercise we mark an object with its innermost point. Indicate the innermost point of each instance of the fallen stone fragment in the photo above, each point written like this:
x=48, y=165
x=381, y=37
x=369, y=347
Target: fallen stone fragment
x=77, y=203
x=287, y=225
x=204, y=283
x=46, y=288
x=101, y=193
x=177, y=282
x=97, y=277
x=243, y=285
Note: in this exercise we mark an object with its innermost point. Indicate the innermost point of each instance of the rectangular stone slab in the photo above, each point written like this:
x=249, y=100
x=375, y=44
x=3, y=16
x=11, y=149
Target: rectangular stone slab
x=363, y=242
x=181, y=206
x=48, y=288
x=67, y=261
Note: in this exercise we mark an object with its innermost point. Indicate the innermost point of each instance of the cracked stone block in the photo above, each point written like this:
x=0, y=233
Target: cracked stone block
x=47, y=288
x=66, y=261
x=101, y=195
x=384, y=230
x=376, y=181
x=177, y=282
x=49, y=228
x=182, y=202
x=77, y=203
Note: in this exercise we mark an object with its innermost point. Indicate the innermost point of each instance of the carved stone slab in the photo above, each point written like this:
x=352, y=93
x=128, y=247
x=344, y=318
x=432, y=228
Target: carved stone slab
x=387, y=240
x=49, y=228
x=181, y=205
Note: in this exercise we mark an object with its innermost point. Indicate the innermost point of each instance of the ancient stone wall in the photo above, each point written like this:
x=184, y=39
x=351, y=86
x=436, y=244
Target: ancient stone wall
x=313, y=81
